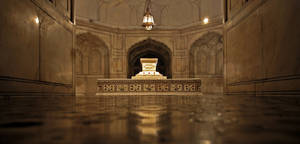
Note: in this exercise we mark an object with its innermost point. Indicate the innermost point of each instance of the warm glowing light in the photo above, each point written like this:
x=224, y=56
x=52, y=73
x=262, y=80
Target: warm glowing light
x=148, y=21
x=205, y=20
x=37, y=20
x=148, y=27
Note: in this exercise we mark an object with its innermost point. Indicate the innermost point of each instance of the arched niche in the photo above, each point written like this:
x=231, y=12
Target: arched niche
x=92, y=56
x=206, y=56
x=149, y=49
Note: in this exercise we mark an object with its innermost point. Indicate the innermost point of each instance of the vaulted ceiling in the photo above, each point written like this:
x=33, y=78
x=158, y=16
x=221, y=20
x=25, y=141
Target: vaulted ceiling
x=167, y=13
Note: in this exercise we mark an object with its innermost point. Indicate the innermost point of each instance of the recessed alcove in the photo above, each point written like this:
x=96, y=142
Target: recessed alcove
x=149, y=49
x=92, y=62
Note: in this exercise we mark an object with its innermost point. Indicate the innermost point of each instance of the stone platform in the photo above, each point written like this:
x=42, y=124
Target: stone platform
x=146, y=87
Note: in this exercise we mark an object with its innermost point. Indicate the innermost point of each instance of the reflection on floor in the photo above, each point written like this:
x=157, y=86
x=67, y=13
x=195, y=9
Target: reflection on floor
x=207, y=119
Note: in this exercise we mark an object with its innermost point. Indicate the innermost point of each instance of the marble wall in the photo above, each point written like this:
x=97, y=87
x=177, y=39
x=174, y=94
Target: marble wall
x=206, y=56
x=92, y=62
x=36, y=41
x=262, y=53
x=234, y=6
x=118, y=23
x=167, y=13
x=206, y=61
x=177, y=42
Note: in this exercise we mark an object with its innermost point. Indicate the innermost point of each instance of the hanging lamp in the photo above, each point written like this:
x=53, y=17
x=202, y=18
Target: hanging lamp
x=148, y=20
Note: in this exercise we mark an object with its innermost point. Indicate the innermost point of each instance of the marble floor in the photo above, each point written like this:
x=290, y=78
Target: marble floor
x=206, y=119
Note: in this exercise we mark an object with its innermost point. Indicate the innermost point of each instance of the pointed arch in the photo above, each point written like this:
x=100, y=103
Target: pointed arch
x=206, y=56
x=97, y=53
x=149, y=49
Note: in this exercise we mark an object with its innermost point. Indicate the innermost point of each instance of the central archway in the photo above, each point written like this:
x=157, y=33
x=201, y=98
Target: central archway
x=149, y=49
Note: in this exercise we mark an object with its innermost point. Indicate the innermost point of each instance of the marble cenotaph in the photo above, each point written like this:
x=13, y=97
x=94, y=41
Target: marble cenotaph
x=149, y=70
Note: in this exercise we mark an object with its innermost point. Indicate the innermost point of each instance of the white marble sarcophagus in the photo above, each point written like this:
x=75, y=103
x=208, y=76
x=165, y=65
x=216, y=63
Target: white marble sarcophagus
x=149, y=70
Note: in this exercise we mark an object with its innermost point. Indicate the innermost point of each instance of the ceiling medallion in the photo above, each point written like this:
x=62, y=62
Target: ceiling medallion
x=148, y=20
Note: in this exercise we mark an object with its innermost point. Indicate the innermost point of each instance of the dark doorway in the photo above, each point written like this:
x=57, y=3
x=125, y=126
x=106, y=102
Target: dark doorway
x=149, y=49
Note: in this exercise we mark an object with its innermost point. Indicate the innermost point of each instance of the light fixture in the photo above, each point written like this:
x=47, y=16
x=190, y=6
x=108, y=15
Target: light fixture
x=37, y=21
x=205, y=20
x=148, y=20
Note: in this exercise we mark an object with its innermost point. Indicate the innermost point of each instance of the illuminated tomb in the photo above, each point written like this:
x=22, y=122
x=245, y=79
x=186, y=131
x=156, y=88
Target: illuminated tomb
x=148, y=81
x=149, y=70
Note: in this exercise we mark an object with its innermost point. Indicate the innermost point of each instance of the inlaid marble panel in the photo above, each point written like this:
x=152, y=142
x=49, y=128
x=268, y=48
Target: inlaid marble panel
x=126, y=86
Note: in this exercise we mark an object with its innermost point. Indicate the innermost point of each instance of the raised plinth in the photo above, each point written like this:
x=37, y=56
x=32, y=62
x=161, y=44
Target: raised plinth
x=148, y=87
x=149, y=76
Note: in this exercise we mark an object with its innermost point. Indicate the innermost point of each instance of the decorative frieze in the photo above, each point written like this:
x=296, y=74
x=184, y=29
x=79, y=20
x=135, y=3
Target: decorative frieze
x=129, y=86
